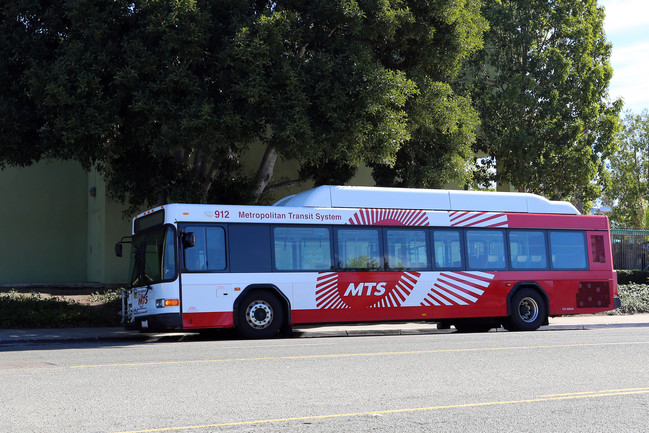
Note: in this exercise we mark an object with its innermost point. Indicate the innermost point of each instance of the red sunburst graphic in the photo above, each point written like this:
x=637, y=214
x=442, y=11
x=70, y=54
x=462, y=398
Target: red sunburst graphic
x=389, y=217
x=477, y=219
x=457, y=288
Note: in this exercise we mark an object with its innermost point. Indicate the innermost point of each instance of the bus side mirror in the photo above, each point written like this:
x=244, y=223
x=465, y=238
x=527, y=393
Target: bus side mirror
x=189, y=240
x=118, y=249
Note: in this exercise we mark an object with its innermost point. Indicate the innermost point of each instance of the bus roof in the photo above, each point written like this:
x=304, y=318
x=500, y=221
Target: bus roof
x=328, y=196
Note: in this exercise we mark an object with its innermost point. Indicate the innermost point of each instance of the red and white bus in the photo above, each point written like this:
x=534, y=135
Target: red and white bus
x=474, y=260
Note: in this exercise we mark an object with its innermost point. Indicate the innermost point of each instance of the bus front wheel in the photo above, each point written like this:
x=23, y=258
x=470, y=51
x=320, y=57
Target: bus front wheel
x=260, y=315
x=528, y=311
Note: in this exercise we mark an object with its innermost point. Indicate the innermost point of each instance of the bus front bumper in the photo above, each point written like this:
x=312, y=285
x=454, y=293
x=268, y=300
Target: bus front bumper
x=155, y=323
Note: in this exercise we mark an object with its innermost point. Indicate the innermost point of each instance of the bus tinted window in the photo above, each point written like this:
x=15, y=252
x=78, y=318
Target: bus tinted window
x=359, y=249
x=406, y=249
x=302, y=248
x=208, y=253
x=447, y=249
x=250, y=248
x=568, y=249
x=527, y=249
x=485, y=249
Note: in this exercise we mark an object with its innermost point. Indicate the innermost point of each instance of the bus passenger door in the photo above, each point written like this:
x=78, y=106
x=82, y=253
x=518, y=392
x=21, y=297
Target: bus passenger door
x=207, y=292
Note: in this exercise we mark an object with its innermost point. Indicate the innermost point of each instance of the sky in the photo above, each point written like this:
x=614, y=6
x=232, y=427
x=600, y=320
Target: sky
x=627, y=28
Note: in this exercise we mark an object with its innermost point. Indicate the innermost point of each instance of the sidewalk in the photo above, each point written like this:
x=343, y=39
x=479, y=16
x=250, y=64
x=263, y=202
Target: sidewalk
x=10, y=337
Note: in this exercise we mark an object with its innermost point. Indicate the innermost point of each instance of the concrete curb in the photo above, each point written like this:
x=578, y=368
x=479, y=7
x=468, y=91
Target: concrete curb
x=593, y=326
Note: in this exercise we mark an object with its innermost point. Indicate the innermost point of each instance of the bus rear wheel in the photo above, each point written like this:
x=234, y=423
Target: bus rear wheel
x=260, y=315
x=528, y=311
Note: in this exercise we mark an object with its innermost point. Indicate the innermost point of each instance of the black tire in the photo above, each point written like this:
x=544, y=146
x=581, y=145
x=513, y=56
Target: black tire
x=260, y=315
x=528, y=311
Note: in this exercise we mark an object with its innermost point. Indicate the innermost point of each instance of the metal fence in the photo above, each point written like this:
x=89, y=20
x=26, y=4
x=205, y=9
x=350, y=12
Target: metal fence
x=630, y=249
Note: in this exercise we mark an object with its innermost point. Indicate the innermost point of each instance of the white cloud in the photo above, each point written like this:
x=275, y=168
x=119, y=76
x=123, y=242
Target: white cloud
x=627, y=28
x=625, y=15
x=631, y=60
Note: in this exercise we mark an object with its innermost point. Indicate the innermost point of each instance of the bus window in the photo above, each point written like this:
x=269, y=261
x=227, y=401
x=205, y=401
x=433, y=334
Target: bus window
x=153, y=256
x=302, y=248
x=448, y=249
x=406, y=249
x=597, y=248
x=359, y=249
x=169, y=264
x=215, y=248
x=250, y=248
x=568, y=249
x=208, y=252
x=485, y=249
x=527, y=249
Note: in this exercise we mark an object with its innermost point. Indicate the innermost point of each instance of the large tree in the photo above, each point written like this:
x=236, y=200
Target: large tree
x=628, y=194
x=165, y=96
x=441, y=123
x=541, y=87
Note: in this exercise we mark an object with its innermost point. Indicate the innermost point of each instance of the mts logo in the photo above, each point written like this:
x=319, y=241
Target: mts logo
x=360, y=290
x=366, y=289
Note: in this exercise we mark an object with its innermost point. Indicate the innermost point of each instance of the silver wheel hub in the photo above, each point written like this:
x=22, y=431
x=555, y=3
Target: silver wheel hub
x=528, y=310
x=259, y=314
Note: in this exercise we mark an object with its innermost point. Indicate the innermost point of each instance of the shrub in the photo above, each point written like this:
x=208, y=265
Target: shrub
x=632, y=277
x=33, y=310
x=634, y=298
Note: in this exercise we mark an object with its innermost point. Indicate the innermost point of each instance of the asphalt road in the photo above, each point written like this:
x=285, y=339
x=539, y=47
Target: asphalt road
x=588, y=380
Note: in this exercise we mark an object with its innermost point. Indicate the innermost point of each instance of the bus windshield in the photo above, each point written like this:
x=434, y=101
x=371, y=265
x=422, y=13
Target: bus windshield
x=153, y=257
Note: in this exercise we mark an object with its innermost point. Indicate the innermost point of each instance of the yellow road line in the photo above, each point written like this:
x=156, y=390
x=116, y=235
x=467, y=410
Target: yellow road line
x=605, y=391
x=571, y=396
x=354, y=355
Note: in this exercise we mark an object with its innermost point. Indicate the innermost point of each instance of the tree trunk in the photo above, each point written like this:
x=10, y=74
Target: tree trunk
x=265, y=173
x=207, y=180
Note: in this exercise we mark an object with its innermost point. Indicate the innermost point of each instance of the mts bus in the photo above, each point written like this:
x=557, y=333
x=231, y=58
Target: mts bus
x=474, y=260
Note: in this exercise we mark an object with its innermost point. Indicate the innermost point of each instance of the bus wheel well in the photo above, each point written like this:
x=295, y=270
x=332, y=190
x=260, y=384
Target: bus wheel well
x=527, y=285
x=528, y=307
x=270, y=289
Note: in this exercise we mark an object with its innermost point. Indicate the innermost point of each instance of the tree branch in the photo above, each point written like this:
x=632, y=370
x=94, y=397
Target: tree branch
x=265, y=173
x=287, y=184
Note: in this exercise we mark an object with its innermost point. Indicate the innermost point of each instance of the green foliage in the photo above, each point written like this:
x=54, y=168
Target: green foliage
x=634, y=299
x=629, y=165
x=632, y=277
x=540, y=85
x=441, y=123
x=165, y=97
x=33, y=310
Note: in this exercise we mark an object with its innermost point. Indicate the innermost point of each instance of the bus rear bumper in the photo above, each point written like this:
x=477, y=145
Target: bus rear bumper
x=155, y=323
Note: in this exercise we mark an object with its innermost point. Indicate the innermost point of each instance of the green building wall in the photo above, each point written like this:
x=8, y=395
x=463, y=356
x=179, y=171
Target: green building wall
x=54, y=230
